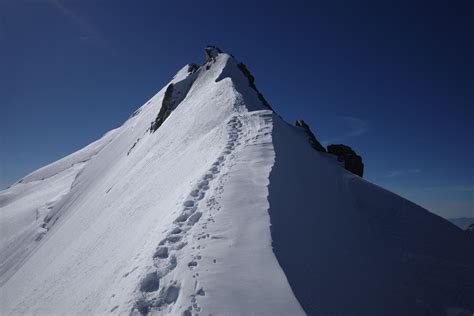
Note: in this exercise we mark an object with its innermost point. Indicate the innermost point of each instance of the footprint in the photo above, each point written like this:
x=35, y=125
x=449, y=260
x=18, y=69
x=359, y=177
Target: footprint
x=171, y=294
x=174, y=238
x=201, y=196
x=181, y=218
x=165, y=255
x=179, y=246
x=161, y=252
x=194, y=218
x=150, y=283
x=163, y=267
x=189, y=203
x=203, y=184
x=176, y=230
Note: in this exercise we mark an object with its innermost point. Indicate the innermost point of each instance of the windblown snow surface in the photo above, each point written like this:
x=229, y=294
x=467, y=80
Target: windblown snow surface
x=224, y=210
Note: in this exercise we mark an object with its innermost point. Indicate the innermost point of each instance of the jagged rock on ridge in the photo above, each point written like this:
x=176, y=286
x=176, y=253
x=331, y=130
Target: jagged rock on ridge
x=251, y=82
x=211, y=52
x=352, y=161
x=312, y=139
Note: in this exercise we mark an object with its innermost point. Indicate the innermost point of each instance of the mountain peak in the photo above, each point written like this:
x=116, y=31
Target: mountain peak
x=206, y=201
x=212, y=51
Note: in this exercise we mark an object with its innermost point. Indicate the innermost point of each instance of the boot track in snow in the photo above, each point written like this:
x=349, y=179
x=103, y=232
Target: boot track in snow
x=155, y=296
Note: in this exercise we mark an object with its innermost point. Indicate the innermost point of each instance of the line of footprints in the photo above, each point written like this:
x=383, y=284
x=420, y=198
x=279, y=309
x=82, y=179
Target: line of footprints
x=155, y=296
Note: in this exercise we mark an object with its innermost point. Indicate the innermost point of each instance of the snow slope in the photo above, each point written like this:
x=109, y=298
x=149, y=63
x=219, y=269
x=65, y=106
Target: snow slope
x=225, y=210
x=26, y=205
x=361, y=250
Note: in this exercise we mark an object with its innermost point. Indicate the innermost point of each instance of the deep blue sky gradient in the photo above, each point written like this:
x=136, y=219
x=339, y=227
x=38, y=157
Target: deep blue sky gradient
x=394, y=80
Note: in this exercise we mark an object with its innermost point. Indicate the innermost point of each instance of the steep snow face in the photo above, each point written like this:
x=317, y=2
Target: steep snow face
x=349, y=247
x=173, y=221
x=185, y=210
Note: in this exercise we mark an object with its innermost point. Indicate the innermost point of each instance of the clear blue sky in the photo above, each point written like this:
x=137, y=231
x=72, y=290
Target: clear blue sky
x=394, y=80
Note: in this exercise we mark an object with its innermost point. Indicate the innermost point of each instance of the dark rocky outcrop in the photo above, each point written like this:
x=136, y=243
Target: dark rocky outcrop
x=192, y=68
x=352, y=161
x=211, y=52
x=174, y=94
x=166, y=108
x=312, y=139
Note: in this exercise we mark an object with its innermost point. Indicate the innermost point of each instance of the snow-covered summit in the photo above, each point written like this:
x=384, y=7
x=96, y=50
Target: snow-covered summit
x=206, y=202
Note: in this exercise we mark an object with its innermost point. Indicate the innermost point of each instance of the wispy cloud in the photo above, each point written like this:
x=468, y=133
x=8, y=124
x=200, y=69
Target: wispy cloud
x=356, y=125
x=401, y=172
x=331, y=141
x=352, y=127
x=89, y=33
x=69, y=14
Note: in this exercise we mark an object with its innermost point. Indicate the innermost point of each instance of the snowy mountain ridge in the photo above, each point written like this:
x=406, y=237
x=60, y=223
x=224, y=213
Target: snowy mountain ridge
x=206, y=202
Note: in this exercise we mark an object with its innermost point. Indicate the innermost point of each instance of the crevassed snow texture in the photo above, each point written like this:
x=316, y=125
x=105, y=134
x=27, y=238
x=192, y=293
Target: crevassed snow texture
x=192, y=218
